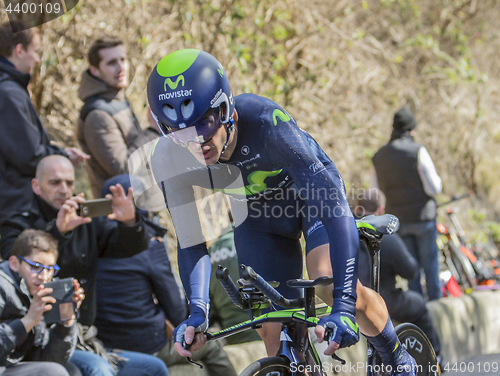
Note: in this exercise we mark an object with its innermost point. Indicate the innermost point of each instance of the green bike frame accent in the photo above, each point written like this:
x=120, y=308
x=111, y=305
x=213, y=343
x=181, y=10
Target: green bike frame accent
x=284, y=316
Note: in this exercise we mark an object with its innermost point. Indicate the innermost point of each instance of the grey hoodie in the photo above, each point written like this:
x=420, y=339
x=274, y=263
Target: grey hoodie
x=109, y=137
x=41, y=343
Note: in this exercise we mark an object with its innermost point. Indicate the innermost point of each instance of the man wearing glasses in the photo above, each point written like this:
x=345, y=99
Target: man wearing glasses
x=23, y=301
x=82, y=241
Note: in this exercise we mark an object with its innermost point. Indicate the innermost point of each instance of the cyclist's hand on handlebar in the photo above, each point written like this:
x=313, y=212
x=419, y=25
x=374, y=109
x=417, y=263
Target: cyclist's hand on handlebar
x=192, y=342
x=339, y=329
x=184, y=334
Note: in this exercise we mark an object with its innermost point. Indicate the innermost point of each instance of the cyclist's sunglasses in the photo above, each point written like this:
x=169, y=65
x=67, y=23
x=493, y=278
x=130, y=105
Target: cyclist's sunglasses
x=200, y=132
x=37, y=268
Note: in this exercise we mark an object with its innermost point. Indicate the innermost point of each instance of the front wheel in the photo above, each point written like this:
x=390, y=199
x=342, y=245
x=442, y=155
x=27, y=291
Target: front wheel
x=272, y=366
x=419, y=347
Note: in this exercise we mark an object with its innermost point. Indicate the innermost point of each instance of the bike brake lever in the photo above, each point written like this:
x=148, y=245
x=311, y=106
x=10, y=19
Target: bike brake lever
x=187, y=346
x=336, y=357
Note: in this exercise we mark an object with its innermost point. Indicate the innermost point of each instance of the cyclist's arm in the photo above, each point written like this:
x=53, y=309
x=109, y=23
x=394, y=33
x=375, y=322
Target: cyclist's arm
x=175, y=183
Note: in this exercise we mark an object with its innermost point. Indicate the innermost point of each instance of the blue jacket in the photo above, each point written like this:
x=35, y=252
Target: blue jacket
x=134, y=297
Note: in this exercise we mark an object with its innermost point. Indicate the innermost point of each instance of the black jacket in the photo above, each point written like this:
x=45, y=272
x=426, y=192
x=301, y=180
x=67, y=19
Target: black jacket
x=79, y=249
x=40, y=344
x=397, y=171
x=395, y=259
x=23, y=141
x=128, y=316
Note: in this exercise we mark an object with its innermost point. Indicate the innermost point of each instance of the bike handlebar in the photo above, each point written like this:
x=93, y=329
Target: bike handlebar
x=222, y=274
x=455, y=198
x=248, y=274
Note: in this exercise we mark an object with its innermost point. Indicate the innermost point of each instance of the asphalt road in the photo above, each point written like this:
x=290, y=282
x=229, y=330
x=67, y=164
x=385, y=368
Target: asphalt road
x=481, y=365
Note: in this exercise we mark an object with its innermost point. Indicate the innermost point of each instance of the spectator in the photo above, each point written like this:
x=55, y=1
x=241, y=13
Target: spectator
x=403, y=306
x=27, y=346
x=81, y=242
x=108, y=129
x=222, y=309
x=408, y=178
x=138, y=322
x=23, y=138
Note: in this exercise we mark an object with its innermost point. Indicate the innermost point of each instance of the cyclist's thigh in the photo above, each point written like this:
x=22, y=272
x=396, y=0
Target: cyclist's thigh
x=274, y=257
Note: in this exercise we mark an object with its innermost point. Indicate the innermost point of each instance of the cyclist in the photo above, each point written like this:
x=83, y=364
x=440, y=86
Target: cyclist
x=290, y=187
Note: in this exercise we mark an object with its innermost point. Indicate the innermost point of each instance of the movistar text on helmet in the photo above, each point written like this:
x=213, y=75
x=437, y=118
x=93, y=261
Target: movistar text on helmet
x=175, y=94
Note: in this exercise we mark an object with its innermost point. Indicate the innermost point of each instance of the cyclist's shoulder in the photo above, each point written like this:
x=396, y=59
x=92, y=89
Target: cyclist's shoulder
x=254, y=108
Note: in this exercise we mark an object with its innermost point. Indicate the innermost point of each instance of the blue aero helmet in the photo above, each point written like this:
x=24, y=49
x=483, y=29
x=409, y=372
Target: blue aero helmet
x=189, y=90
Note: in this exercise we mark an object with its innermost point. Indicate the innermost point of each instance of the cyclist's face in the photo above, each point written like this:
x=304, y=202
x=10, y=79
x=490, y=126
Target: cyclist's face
x=209, y=152
x=33, y=280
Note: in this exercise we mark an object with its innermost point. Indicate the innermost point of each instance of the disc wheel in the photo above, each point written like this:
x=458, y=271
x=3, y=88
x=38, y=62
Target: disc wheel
x=419, y=347
x=272, y=366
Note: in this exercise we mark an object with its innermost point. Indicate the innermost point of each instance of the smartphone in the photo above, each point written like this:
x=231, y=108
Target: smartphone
x=96, y=208
x=64, y=307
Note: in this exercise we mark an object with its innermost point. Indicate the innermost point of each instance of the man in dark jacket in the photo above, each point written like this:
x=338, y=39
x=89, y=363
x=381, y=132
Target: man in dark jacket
x=108, y=129
x=81, y=240
x=395, y=259
x=27, y=345
x=408, y=178
x=23, y=138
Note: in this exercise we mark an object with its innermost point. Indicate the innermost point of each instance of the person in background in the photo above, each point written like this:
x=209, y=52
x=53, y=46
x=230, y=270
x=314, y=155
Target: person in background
x=82, y=241
x=395, y=260
x=108, y=129
x=138, y=322
x=222, y=310
x=23, y=138
x=406, y=175
x=27, y=345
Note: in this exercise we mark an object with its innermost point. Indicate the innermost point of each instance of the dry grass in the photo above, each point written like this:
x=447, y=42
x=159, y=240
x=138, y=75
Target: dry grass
x=340, y=68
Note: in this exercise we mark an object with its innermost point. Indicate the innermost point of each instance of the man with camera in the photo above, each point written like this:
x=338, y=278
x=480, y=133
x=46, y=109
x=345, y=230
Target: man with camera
x=27, y=345
x=82, y=240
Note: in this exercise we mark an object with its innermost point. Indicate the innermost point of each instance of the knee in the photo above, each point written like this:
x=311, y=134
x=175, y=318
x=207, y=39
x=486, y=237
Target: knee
x=52, y=369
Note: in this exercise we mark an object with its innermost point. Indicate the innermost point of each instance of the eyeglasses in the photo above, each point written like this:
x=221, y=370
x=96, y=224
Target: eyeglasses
x=37, y=268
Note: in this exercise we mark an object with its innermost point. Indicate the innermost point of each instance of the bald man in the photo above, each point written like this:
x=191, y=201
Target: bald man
x=81, y=240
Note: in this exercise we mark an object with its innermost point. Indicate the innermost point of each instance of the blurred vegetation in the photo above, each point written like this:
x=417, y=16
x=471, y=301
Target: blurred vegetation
x=340, y=68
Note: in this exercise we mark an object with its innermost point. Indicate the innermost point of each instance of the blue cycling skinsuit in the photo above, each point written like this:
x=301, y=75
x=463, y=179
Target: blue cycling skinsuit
x=290, y=187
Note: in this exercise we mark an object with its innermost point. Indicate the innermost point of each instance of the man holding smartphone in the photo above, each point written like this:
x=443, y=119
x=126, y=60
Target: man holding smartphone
x=23, y=302
x=82, y=240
